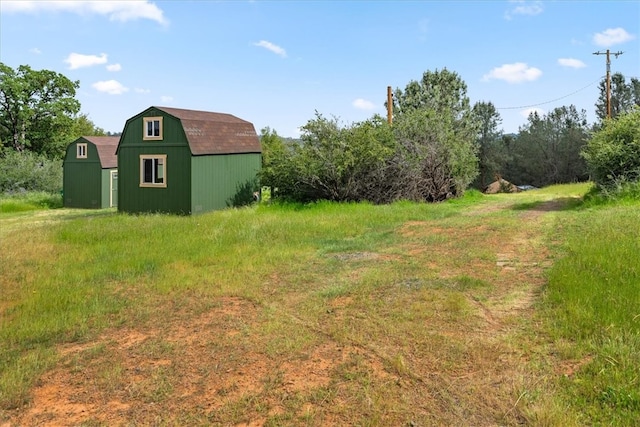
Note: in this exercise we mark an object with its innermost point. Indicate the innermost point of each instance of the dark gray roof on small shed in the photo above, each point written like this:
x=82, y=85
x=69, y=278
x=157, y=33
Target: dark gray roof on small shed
x=216, y=133
x=107, y=146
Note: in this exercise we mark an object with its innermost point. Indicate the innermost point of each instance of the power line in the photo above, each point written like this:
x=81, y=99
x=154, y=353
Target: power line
x=553, y=100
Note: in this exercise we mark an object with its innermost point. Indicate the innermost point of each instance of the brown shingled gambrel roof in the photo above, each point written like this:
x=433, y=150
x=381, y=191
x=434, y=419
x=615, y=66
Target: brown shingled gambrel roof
x=107, y=146
x=216, y=133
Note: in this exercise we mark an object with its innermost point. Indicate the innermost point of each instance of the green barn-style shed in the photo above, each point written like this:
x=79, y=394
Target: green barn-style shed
x=90, y=173
x=181, y=161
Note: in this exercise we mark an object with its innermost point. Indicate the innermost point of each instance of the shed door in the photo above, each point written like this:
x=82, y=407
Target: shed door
x=114, y=189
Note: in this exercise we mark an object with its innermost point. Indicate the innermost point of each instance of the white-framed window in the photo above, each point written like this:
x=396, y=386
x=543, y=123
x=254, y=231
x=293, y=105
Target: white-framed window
x=152, y=128
x=153, y=170
x=81, y=151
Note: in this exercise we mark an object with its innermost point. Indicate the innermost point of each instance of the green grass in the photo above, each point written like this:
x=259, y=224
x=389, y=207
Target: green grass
x=83, y=275
x=592, y=307
x=404, y=286
x=23, y=202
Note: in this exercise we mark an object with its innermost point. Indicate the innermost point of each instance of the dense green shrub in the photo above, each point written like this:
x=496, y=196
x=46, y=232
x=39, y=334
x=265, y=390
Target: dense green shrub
x=420, y=158
x=246, y=194
x=329, y=162
x=28, y=171
x=613, y=153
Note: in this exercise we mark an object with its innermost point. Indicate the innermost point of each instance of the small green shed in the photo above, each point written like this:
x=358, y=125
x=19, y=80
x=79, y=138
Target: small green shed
x=181, y=161
x=90, y=173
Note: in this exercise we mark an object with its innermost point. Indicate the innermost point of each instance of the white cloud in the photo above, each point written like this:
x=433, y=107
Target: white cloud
x=77, y=60
x=513, y=73
x=166, y=99
x=114, y=67
x=571, y=63
x=112, y=87
x=523, y=8
x=141, y=90
x=525, y=113
x=35, y=51
x=363, y=104
x=272, y=47
x=126, y=10
x=612, y=36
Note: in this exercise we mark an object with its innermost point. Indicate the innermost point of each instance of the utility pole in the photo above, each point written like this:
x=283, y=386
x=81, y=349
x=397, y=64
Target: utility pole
x=389, y=105
x=608, y=76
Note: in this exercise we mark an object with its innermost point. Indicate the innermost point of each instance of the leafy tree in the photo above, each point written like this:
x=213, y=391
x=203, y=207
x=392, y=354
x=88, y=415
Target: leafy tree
x=278, y=168
x=442, y=91
x=613, y=153
x=624, y=96
x=433, y=120
x=429, y=154
x=492, y=152
x=422, y=168
x=37, y=110
x=635, y=91
x=82, y=126
x=547, y=149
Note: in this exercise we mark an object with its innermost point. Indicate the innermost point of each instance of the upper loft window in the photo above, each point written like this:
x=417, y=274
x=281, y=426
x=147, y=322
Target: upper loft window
x=152, y=128
x=81, y=151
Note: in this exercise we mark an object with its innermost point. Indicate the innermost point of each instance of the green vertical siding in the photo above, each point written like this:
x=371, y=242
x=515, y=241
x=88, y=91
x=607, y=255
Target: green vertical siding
x=176, y=197
x=195, y=184
x=216, y=179
x=82, y=179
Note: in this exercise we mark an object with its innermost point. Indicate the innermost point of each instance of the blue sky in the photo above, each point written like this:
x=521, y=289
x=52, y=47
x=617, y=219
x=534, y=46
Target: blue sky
x=276, y=62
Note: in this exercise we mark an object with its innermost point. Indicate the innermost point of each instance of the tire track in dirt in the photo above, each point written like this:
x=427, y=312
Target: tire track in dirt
x=524, y=259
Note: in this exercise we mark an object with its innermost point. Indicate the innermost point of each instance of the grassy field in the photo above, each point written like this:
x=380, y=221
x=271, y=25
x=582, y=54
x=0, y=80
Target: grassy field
x=488, y=310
